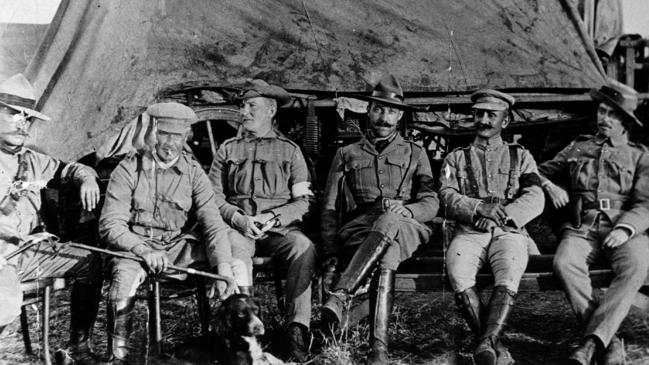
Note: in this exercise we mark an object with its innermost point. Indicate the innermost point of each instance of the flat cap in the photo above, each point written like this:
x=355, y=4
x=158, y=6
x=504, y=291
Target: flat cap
x=172, y=117
x=255, y=88
x=490, y=99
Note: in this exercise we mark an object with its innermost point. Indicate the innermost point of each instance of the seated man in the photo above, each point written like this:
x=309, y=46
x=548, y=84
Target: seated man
x=607, y=182
x=23, y=173
x=492, y=189
x=262, y=187
x=392, y=186
x=148, y=200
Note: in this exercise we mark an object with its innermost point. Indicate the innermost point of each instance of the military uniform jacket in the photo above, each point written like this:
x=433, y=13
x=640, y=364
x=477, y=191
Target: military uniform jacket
x=22, y=176
x=257, y=175
x=599, y=168
x=401, y=171
x=145, y=203
x=515, y=185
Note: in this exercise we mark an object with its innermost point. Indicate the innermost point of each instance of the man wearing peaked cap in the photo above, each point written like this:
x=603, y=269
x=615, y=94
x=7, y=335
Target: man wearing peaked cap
x=148, y=201
x=263, y=189
x=23, y=173
x=393, y=190
x=608, y=198
x=491, y=210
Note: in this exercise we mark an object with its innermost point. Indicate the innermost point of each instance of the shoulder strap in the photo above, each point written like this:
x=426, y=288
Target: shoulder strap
x=474, y=191
x=513, y=167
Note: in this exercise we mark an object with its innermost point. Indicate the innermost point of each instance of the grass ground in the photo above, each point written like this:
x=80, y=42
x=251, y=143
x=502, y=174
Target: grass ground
x=426, y=330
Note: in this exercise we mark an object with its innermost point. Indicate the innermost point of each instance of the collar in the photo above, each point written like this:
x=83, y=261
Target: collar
x=179, y=166
x=484, y=143
x=249, y=136
x=616, y=141
x=368, y=146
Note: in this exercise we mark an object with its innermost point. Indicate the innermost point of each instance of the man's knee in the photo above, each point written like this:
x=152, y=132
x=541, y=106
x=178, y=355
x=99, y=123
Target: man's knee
x=301, y=246
x=125, y=277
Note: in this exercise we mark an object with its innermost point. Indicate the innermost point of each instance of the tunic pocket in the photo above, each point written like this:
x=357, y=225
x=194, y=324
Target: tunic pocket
x=238, y=172
x=360, y=174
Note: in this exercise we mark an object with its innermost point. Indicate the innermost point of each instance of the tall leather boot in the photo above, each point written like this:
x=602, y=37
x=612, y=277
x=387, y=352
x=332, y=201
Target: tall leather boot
x=471, y=308
x=84, y=304
x=120, y=326
x=368, y=254
x=381, y=298
x=489, y=350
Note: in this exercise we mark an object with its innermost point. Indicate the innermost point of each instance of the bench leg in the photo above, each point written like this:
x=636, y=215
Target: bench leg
x=46, y=325
x=155, y=325
x=24, y=325
x=279, y=292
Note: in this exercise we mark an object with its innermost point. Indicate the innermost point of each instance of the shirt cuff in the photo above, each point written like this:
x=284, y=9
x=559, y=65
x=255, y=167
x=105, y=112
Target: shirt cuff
x=627, y=227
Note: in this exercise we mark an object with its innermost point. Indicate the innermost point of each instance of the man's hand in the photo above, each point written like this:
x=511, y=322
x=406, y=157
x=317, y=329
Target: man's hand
x=261, y=221
x=494, y=211
x=156, y=261
x=89, y=194
x=617, y=237
x=223, y=269
x=3, y=262
x=399, y=209
x=246, y=225
x=485, y=224
x=558, y=196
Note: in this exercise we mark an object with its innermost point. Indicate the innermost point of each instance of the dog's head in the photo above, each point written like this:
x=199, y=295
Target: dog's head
x=239, y=316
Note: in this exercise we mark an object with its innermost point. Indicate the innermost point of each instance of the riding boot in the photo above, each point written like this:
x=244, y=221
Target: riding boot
x=381, y=297
x=489, y=350
x=247, y=290
x=120, y=326
x=471, y=308
x=363, y=262
x=84, y=304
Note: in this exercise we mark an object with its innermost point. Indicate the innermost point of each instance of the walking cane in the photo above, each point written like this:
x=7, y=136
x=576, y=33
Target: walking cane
x=231, y=285
x=36, y=239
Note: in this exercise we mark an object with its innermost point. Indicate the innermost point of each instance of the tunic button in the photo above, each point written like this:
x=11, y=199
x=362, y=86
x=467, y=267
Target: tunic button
x=380, y=171
x=380, y=157
x=382, y=186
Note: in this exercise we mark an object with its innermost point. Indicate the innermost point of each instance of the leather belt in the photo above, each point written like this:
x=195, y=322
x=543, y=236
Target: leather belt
x=603, y=204
x=494, y=200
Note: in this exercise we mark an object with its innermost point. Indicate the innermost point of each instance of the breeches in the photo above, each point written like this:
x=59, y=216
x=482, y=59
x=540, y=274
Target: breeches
x=406, y=235
x=127, y=275
x=505, y=252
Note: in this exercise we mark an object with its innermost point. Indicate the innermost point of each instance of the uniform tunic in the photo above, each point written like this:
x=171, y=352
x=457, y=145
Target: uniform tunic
x=253, y=175
x=401, y=172
x=611, y=177
x=20, y=216
x=516, y=186
x=148, y=207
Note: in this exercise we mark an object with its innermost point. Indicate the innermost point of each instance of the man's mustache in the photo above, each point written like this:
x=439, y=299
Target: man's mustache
x=482, y=126
x=17, y=133
x=382, y=124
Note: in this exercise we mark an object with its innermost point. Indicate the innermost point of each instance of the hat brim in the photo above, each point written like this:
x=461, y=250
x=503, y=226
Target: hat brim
x=489, y=106
x=395, y=103
x=601, y=97
x=29, y=112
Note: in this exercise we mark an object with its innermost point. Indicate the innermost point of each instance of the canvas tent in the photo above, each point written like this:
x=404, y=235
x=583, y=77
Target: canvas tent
x=102, y=61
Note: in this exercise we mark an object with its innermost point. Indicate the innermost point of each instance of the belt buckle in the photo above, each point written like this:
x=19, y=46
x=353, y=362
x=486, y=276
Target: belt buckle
x=385, y=204
x=605, y=204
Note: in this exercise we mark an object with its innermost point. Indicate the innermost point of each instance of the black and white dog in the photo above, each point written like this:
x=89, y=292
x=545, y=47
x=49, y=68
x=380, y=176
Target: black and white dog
x=234, y=341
